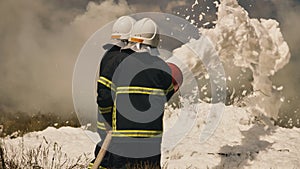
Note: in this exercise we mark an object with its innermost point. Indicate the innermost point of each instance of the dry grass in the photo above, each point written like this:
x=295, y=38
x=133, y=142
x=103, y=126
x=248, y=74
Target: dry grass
x=46, y=156
x=2, y=161
x=145, y=165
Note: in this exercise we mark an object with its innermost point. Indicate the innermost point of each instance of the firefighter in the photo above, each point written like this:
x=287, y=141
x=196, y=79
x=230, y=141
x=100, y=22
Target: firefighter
x=143, y=83
x=140, y=85
x=105, y=89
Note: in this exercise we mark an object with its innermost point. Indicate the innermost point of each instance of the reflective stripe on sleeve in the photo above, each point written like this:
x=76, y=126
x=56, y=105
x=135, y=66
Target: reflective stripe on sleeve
x=104, y=110
x=101, y=126
x=104, y=81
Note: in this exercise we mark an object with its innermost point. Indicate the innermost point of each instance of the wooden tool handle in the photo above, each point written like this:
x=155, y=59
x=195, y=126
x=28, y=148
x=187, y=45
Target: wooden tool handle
x=102, y=151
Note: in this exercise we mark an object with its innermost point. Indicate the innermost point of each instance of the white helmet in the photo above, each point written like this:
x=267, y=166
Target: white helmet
x=145, y=31
x=122, y=28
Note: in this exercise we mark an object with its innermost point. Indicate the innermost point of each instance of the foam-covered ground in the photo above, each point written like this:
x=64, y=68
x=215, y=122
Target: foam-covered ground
x=240, y=141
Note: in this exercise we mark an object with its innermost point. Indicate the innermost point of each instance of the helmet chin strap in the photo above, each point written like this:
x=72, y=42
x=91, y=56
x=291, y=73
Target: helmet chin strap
x=138, y=47
x=122, y=43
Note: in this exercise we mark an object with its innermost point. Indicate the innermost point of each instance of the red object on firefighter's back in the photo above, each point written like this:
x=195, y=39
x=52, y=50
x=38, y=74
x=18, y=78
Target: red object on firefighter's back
x=177, y=77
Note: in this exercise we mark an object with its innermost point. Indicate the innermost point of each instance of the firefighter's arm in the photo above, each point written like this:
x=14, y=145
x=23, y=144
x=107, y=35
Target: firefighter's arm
x=177, y=76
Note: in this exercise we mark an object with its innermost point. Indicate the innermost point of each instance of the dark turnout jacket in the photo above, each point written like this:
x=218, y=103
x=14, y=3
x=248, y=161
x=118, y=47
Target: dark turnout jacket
x=132, y=90
x=132, y=86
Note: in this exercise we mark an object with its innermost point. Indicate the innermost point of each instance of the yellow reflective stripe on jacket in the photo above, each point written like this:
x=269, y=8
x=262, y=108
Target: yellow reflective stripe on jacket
x=140, y=90
x=171, y=88
x=92, y=164
x=107, y=83
x=101, y=126
x=137, y=90
x=103, y=110
x=114, y=115
x=137, y=133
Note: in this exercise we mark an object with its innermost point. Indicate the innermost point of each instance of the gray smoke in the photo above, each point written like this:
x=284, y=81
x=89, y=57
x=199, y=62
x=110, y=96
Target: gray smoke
x=288, y=15
x=40, y=41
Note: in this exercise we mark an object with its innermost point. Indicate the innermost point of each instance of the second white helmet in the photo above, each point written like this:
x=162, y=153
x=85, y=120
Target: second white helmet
x=122, y=28
x=145, y=31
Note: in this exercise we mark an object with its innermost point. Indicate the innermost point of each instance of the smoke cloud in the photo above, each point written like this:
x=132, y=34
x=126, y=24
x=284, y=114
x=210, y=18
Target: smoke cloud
x=288, y=13
x=40, y=41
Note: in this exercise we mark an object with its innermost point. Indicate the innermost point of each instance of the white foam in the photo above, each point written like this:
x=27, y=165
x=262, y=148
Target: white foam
x=255, y=44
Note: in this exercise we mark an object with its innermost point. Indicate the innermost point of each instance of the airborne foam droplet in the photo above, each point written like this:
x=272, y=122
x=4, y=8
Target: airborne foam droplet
x=216, y=4
x=205, y=24
x=200, y=17
x=195, y=3
x=280, y=88
x=203, y=88
x=206, y=76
